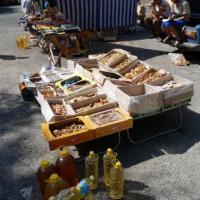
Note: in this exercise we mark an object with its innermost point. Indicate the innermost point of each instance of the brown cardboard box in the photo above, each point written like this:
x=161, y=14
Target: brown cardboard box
x=124, y=123
x=80, y=104
x=74, y=138
x=184, y=89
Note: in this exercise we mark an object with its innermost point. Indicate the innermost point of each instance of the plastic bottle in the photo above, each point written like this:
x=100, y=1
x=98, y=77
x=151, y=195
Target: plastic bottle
x=43, y=173
x=54, y=185
x=66, y=167
x=116, y=181
x=107, y=165
x=91, y=169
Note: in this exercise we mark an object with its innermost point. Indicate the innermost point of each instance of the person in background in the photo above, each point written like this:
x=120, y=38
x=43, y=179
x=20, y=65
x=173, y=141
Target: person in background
x=141, y=13
x=28, y=6
x=160, y=10
x=180, y=14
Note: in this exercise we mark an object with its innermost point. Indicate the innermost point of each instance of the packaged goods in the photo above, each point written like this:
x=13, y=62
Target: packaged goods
x=69, y=128
x=54, y=185
x=43, y=173
x=82, y=97
x=96, y=104
x=91, y=169
x=58, y=109
x=110, y=58
x=106, y=117
x=136, y=71
x=151, y=75
x=67, y=132
x=67, y=168
x=110, y=121
x=116, y=181
x=107, y=165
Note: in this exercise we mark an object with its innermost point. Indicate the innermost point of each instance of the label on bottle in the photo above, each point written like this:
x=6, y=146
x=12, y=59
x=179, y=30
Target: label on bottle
x=83, y=187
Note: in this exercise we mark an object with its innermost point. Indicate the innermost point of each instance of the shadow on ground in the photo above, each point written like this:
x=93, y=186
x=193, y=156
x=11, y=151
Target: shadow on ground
x=14, y=112
x=142, y=53
x=11, y=57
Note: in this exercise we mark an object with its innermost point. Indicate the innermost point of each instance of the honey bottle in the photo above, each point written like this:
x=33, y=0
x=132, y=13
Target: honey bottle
x=67, y=168
x=54, y=185
x=107, y=165
x=91, y=169
x=43, y=173
x=116, y=181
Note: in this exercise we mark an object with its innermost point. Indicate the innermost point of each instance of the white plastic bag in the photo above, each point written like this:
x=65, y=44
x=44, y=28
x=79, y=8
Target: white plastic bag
x=178, y=59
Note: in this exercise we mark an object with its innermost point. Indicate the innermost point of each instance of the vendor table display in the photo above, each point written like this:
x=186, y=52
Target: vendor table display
x=99, y=14
x=85, y=101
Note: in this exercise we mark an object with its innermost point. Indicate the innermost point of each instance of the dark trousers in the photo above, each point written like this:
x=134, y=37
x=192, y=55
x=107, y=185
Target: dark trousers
x=153, y=25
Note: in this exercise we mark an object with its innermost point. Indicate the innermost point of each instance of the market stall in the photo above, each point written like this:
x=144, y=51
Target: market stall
x=99, y=14
x=93, y=98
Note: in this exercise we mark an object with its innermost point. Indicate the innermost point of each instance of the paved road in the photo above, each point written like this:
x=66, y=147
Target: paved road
x=164, y=168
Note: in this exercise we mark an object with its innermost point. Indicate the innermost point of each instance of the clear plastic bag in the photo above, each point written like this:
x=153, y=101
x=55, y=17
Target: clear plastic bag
x=178, y=59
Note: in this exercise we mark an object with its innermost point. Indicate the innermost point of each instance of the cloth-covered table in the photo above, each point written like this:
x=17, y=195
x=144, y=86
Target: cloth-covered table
x=99, y=14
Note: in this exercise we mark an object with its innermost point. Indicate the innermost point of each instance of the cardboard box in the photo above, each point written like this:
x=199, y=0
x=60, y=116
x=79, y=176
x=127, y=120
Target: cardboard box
x=81, y=104
x=141, y=77
x=112, y=68
x=82, y=93
x=114, y=60
x=86, y=69
x=48, y=112
x=125, y=122
x=182, y=90
x=75, y=138
x=133, y=66
x=138, y=99
x=67, y=90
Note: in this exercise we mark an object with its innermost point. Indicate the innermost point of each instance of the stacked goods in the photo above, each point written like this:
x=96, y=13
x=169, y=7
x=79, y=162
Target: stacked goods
x=67, y=132
x=92, y=105
x=110, y=121
x=151, y=75
x=137, y=70
x=78, y=110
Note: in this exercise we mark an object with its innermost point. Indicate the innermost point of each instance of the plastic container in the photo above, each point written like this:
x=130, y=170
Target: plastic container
x=107, y=165
x=54, y=185
x=66, y=167
x=116, y=181
x=91, y=169
x=43, y=173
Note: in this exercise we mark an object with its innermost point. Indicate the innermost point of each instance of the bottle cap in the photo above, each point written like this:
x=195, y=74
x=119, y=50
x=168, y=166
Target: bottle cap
x=109, y=151
x=91, y=153
x=44, y=163
x=54, y=178
x=64, y=153
x=118, y=165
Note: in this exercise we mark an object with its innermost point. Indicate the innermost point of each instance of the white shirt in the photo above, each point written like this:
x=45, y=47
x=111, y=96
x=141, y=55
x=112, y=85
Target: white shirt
x=182, y=8
x=163, y=4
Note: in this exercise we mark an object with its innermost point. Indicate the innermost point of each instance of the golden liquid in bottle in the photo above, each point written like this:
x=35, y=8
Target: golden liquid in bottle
x=107, y=165
x=91, y=169
x=117, y=181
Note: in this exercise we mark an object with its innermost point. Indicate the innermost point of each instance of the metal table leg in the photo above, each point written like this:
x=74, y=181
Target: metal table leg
x=160, y=133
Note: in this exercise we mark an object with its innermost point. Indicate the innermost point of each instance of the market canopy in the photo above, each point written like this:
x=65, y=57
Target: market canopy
x=99, y=14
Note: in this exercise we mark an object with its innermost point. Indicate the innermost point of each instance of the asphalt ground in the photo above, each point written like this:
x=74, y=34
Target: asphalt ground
x=165, y=168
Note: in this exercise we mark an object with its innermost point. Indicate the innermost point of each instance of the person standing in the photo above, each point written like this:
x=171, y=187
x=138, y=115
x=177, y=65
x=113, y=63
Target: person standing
x=160, y=9
x=180, y=14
